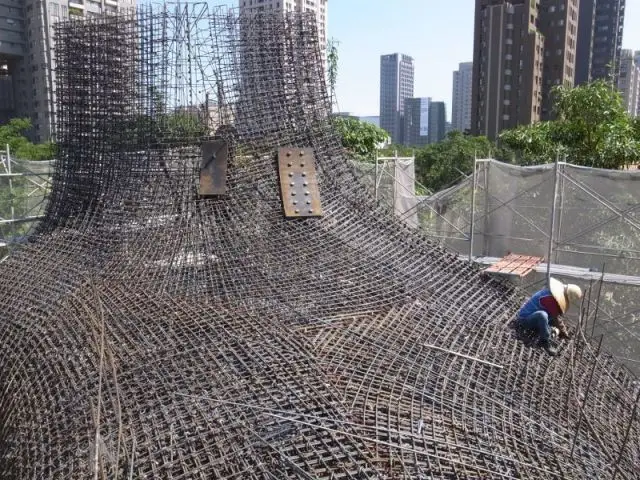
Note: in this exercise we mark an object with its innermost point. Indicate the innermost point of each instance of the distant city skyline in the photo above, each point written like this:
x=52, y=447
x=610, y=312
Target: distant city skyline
x=437, y=38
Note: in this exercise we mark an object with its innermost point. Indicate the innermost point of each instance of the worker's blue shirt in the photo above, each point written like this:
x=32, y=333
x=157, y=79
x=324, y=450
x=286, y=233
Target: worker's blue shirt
x=541, y=300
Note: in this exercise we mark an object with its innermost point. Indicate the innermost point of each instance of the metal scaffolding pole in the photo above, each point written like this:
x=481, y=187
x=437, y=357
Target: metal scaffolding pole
x=375, y=182
x=13, y=215
x=553, y=218
x=473, y=207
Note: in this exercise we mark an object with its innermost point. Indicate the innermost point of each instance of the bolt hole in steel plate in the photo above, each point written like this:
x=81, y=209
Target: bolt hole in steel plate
x=298, y=182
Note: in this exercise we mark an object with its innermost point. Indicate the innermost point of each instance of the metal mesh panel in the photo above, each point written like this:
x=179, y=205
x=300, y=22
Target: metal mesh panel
x=151, y=333
x=610, y=231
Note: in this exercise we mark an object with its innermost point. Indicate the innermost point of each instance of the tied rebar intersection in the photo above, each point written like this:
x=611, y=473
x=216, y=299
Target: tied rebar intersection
x=150, y=332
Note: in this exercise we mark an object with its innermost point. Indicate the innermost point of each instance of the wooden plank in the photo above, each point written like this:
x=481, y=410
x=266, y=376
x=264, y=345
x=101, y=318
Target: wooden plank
x=514, y=264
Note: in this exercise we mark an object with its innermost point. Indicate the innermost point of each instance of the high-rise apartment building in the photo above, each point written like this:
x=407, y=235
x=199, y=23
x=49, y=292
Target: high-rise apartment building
x=396, y=85
x=599, y=40
x=416, y=121
x=437, y=121
x=13, y=49
x=584, y=50
x=629, y=81
x=461, y=98
x=508, y=65
x=317, y=7
x=27, y=63
x=558, y=21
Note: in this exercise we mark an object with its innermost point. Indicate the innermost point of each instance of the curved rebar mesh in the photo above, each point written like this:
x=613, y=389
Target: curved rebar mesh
x=150, y=333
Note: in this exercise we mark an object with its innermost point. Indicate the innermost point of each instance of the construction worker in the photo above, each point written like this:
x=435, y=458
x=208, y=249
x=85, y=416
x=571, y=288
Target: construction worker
x=542, y=312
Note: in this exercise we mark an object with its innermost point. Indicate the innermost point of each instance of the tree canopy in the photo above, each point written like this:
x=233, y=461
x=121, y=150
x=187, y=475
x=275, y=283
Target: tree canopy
x=361, y=139
x=13, y=134
x=592, y=129
x=440, y=164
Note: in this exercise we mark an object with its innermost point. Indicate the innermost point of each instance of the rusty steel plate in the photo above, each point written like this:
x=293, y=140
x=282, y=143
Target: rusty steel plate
x=213, y=169
x=299, y=183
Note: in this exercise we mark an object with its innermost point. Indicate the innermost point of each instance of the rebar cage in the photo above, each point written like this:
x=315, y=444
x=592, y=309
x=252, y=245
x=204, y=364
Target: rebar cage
x=151, y=332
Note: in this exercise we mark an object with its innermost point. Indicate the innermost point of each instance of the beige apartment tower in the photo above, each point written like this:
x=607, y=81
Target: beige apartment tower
x=317, y=7
x=508, y=54
x=27, y=61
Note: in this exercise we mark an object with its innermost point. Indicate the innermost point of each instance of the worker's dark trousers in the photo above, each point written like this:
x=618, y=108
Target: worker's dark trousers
x=538, y=321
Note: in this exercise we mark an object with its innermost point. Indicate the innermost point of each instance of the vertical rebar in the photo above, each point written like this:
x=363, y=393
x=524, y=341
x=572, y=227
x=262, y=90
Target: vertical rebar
x=473, y=207
x=561, y=184
x=375, y=180
x=11, y=195
x=626, y=435
x=595, y=316
x=395, y=182
x=207, y=121
x=585, y=320
x=586, y=396
x=553, y=219
x=485, y=213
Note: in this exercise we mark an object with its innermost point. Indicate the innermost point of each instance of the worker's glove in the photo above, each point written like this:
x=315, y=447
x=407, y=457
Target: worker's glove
x=564, y=335
x=554, y=332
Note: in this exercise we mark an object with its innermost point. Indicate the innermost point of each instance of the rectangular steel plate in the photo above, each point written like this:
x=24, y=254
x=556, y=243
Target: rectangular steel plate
x=299, y=182
x=213, y=169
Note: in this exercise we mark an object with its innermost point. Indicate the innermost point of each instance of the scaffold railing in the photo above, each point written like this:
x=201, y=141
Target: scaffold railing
x=24, y=186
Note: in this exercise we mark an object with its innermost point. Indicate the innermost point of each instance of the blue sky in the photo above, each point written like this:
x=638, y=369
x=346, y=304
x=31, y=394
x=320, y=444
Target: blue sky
x=438, y=34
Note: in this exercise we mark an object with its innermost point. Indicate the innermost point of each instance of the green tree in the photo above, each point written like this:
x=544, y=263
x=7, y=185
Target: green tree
x=400, y=150
x=332, y=66
x=440, y=164
x=361, y=139
x=592, y=129
x=13, y=133
x=636, y=128
x=183, y=126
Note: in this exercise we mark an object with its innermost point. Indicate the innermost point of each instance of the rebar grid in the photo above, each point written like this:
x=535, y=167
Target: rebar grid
x=151, y=333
